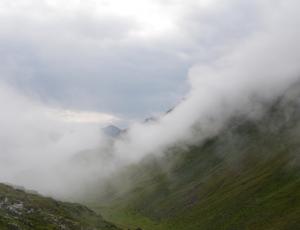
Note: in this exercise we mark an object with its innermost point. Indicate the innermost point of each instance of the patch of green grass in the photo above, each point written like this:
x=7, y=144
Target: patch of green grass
x=262, y=197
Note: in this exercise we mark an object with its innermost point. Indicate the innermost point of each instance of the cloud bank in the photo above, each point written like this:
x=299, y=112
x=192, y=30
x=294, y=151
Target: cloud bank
x=86, y=55
x=34, y=137
x=259, y=67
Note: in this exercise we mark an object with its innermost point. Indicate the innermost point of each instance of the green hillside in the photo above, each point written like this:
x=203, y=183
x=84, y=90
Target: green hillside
x=247, y=177
x=20, y=210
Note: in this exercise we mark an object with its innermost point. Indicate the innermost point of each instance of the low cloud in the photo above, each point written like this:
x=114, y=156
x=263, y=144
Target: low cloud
x=257, y=68
x=86, y=55
x=33, y=137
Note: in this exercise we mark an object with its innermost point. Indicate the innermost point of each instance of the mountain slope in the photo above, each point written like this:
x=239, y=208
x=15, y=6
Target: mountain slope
x=20, y=210
x=247, y=177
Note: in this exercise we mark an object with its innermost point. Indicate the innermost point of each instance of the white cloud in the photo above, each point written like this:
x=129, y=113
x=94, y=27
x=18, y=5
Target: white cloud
x=254, y=49
x=34, y=137
x=262, y=67
x=88, y=54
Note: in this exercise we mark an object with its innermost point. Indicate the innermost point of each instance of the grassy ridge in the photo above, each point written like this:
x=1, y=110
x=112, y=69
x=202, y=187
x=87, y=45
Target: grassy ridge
x=20, y=210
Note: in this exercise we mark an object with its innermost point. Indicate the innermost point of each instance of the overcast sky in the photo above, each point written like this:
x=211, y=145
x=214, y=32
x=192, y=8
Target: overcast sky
x=127, y=59
x=70, y=67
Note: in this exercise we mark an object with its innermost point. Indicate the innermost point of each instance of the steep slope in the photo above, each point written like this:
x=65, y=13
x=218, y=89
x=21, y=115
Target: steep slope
x=20, y=210
x=247, y=177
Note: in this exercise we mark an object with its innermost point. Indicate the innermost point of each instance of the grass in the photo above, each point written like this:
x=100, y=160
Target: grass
x=263, y=197
x=247, y=177
x=26, y=211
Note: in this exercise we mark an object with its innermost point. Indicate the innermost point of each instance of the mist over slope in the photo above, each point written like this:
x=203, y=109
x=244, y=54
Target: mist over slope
x=240, y=83
x=36, y=148
x=245, y=177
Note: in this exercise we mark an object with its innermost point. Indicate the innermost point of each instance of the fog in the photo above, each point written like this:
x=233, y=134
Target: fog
x=43, y=152
x=258, y=70
x=34, y=138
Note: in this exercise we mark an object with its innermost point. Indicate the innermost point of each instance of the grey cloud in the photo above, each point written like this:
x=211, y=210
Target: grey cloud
x=88, y=61
x=261, y=64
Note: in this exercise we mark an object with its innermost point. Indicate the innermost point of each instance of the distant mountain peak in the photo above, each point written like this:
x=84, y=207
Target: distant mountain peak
x=112, y=131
